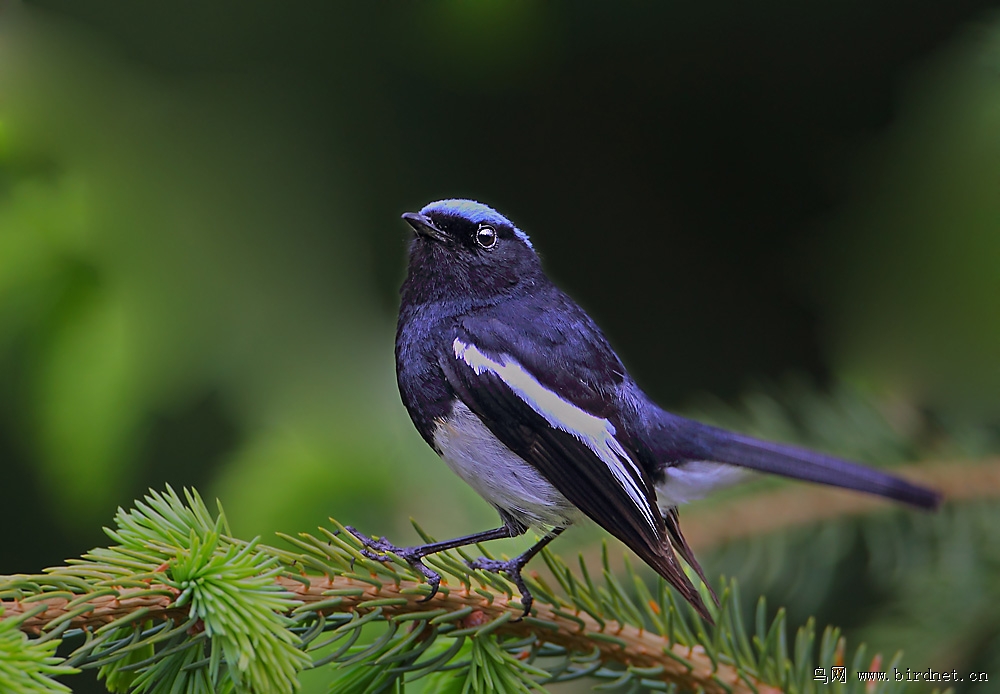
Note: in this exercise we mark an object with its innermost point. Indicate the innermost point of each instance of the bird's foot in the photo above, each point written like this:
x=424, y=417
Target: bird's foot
x=512, y=568
x=377, y=550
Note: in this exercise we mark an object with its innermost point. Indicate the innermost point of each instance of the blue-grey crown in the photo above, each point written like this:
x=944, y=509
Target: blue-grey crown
x=475, y=212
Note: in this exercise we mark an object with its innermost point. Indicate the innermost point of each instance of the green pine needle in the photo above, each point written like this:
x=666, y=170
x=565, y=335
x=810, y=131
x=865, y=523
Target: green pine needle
x=178, y=606
x=28, y=666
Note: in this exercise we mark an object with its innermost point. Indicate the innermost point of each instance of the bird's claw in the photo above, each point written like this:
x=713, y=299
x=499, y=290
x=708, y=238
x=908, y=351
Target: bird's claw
x=368, y=544
x=378, y=550
x=512, y=568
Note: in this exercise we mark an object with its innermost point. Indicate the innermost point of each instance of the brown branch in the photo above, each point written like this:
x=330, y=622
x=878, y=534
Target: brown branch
x=630, y=646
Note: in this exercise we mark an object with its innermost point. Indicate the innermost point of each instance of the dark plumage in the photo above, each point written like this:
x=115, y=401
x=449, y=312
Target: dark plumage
x=515, y=386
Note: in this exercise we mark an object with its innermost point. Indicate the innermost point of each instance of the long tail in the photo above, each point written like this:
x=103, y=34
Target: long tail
x=685, y=439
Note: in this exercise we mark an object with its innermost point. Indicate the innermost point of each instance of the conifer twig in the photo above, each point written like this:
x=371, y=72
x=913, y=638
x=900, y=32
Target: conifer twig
x=179, y=605
x=625, y=644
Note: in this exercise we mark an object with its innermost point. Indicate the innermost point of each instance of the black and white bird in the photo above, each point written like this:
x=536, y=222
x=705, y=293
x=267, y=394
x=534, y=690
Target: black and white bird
x=517, y=389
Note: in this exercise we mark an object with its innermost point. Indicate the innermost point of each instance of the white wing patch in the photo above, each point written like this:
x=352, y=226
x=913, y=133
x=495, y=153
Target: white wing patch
x=596, y=433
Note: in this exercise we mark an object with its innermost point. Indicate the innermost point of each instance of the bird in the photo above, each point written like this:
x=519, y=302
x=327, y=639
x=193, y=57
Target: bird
x=520, y=393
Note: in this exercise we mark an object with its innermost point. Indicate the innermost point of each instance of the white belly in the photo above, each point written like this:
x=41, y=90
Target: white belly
x=497, y=473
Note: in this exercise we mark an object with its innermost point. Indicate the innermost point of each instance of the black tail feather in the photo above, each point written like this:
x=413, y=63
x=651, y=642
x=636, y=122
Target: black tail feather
x=673, y=522
x=664, y=562
x=719, y=445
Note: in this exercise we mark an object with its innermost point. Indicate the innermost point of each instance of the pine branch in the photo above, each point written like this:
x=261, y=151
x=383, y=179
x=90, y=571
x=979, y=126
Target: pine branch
x=620, y=643
x=179, y=605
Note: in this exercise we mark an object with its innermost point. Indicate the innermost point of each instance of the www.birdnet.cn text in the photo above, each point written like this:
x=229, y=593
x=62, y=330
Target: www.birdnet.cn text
x=838, y=673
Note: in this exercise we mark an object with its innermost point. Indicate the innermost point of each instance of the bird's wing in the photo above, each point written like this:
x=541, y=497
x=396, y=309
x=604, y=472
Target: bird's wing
x=581, y=454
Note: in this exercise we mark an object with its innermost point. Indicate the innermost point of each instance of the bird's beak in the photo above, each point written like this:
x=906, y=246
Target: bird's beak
x=423, y=226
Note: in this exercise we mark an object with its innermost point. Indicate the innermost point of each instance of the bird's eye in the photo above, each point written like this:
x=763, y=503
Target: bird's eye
x=486, y=237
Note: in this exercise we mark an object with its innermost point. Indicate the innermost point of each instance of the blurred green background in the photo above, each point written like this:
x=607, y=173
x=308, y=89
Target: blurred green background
x=785, y=215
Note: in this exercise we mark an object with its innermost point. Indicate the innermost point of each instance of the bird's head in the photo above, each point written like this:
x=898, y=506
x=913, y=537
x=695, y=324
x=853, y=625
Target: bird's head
x=465, y=250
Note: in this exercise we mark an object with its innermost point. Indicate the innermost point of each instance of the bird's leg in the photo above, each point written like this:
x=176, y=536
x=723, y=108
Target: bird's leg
x=376, y=549
x=513, y=567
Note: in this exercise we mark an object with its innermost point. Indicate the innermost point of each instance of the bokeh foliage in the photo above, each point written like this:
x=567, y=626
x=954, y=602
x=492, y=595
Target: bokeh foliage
x=199, y=252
